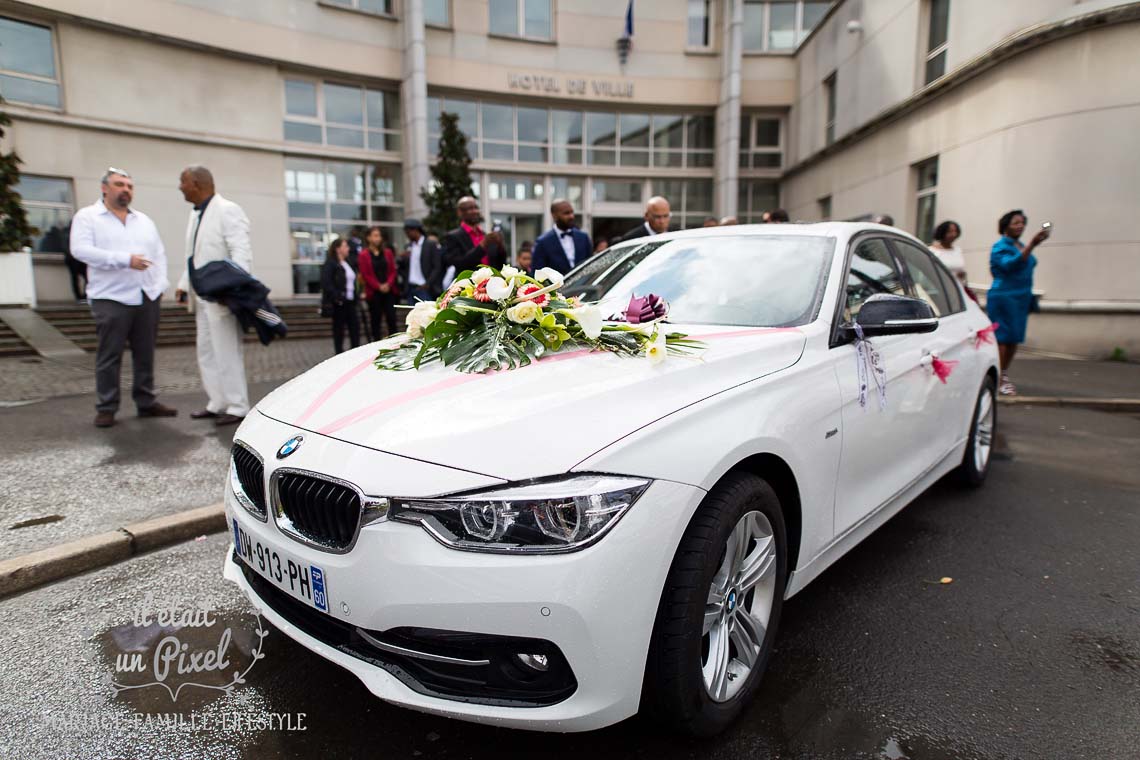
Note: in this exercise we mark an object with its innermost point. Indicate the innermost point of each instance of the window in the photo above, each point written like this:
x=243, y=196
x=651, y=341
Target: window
x=760, y=142
x=690, y=200
x=755, y=197
x=50, y=204
x=829, y=101
x=824, y=208
x=346, y=116
x=700, y=26
x=927, y=174
x=329, y=199
x=616, y=191
x=27, y=64
x=778, y=26
x=872, y=271
x=522, y=18
x=511, y=188
x=925, y=276
x=504, y=132
x=437, y=13
x=936, y=40
x=368, y=6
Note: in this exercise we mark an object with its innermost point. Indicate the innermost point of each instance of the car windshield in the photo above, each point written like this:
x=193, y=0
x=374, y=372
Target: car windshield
x=749, y=280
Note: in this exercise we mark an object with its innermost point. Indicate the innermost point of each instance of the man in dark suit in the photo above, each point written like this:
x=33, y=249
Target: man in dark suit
x=467, y=246
x=657, y=216
x=565, y=246
x=425, y=264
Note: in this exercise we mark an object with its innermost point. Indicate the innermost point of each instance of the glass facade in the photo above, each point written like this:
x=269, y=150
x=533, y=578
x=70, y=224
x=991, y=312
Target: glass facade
x=331, y=199
x=50, y=204
x=761, y=142
x=522, y=18
x=779, y=26
x=341, y=115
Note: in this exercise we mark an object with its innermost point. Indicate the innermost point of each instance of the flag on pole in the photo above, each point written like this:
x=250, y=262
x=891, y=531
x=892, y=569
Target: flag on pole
x=628, y=32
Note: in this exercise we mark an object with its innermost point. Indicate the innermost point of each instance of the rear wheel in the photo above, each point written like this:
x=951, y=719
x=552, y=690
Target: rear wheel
x=976, y=461
x=719, y=610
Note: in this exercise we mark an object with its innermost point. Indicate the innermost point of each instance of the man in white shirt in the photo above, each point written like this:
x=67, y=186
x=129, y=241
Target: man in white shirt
x=126, y=267
x=425, y=264
x=218, y=230
x=657, y=217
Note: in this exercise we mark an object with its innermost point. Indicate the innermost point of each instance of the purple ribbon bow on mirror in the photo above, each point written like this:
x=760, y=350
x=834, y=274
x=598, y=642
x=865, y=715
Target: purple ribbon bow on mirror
x=645, y=309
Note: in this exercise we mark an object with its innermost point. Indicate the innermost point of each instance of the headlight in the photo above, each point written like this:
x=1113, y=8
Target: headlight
x=534, y=518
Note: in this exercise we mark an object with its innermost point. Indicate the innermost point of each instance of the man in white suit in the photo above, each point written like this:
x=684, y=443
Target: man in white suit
x=218, y=231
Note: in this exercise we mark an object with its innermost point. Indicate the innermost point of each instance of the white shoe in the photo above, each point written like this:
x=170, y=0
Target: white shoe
x=1006, y=388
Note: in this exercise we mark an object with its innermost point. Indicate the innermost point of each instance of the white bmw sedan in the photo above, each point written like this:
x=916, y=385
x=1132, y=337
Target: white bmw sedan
x=560, y=546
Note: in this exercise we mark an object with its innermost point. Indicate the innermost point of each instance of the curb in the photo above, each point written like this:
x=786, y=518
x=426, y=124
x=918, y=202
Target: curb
x=1127, y=405
x=57, y=562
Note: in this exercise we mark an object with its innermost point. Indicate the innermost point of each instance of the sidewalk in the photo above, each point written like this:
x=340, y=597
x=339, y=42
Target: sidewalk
x=1069, y=379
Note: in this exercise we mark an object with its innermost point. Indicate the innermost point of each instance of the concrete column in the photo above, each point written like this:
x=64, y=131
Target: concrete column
x=728, y=110
x=413, y=106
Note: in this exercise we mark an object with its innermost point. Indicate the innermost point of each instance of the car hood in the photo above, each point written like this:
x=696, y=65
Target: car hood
x=537, y=420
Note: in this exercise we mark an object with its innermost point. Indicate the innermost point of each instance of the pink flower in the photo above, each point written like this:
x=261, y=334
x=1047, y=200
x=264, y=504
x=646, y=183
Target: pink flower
x=452, y=292
x=529, y=288
x=645, y=309
x=481, y=292
x=942, y=367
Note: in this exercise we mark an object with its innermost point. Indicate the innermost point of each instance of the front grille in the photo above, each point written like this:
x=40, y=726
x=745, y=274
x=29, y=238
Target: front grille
x=316, y=510
x=251, y=476
x=498, y=680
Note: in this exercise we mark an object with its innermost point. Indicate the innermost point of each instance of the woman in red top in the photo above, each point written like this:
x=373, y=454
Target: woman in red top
x=378, y=270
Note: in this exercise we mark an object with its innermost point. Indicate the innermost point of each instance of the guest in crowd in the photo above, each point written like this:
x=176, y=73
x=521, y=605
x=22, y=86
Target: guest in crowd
x=710, y=221
x=526, y=260
x=728, y=221
x=944, y=247
x=1010, y=298
x=127, y=266
x=564, y=246
x=657, y=217
x=425, y=264
x=884, y=219
x=338, y=295
x=468, y=246
x=601, y=245
x=778, y=216
x=378, y=273
x=218, y=230
x=766, y=217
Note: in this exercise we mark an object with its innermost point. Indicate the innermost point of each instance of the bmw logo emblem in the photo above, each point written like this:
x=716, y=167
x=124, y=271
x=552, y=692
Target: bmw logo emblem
x=290, y=446
x=731, y=601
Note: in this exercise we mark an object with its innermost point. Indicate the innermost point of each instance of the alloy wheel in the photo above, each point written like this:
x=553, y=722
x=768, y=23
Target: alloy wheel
x=983, y=432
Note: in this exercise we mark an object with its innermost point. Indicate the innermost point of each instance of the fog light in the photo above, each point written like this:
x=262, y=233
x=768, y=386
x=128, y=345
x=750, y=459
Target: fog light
x=534, y=661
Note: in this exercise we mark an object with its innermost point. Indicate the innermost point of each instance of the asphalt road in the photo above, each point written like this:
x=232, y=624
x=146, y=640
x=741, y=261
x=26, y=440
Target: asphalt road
x=1033, y=651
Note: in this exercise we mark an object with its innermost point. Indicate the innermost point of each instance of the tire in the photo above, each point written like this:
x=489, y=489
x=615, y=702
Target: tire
x=677, y=691
x=974, y=468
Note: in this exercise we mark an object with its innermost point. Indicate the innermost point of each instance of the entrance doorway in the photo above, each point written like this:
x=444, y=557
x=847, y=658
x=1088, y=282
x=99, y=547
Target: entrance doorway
x=612, y=227
x=516, y=229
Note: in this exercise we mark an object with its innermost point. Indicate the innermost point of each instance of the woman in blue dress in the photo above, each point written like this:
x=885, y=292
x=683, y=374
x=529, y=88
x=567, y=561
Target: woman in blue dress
x=1010, y=296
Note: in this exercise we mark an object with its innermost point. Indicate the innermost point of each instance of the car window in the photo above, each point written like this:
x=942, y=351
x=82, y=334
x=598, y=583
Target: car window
x=924, y=274
x=873, y=270
x=769, y=280
x=953, y=292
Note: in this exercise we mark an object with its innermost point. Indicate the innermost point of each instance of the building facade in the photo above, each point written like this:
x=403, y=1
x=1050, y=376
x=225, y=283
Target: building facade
x=320, y=117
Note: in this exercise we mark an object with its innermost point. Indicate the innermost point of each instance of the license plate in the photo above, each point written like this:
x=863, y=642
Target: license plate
x=301, y=580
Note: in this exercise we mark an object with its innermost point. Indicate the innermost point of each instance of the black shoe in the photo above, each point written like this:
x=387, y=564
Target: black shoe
x=104, y=419
x=158, y=410
x=203, y=414
x=227, y=419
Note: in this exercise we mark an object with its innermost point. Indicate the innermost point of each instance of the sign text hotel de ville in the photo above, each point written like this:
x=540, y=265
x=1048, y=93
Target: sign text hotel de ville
x=600, y=88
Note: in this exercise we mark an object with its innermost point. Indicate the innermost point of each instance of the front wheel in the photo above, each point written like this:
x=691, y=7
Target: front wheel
x=976, y=461
x=719, y=610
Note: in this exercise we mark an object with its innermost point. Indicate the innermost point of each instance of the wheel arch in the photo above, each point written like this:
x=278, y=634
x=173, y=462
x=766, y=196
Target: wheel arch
x=779, y=475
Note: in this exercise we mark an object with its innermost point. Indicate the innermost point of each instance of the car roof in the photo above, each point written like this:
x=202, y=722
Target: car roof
x=817, y=229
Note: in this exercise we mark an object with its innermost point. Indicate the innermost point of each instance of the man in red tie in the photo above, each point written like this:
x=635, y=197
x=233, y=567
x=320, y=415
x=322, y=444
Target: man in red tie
x=467, y=246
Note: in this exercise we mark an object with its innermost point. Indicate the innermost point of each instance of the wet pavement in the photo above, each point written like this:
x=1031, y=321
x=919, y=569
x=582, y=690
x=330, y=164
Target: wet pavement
x=1033, y=651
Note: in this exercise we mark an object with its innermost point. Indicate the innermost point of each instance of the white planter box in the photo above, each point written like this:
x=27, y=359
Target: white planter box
x=17, y=283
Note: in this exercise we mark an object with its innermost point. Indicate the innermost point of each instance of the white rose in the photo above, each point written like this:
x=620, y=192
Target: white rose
x=499, y=289
x=524, y=312
x=510, y=272
x=460, y=284
x=421, y=315
x=656, y=350
x=546, y=274
x=481, y=274
x=589, y=318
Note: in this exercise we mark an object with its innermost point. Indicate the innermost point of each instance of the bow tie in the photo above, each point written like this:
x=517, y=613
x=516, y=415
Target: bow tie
x=567, y=233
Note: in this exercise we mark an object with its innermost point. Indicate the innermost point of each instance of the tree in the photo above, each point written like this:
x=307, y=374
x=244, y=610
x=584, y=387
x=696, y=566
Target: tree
x=451, y=177
x=15, y=232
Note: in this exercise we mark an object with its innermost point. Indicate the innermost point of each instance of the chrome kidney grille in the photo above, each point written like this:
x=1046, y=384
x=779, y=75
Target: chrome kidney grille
x=249, y=473
x=321, y=511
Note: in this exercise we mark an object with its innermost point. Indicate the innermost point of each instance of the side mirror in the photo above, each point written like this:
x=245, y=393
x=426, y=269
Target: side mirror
x=885, y=314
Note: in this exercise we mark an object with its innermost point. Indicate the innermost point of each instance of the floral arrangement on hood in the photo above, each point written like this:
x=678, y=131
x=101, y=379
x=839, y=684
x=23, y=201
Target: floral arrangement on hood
x=493, y=319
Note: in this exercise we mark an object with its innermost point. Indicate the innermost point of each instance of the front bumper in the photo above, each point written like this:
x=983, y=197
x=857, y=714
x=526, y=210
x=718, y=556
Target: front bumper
x=595, y=607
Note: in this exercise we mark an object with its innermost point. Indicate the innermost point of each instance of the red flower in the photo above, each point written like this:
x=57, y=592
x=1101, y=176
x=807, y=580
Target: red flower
x=481, y=292
x=529, y=288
